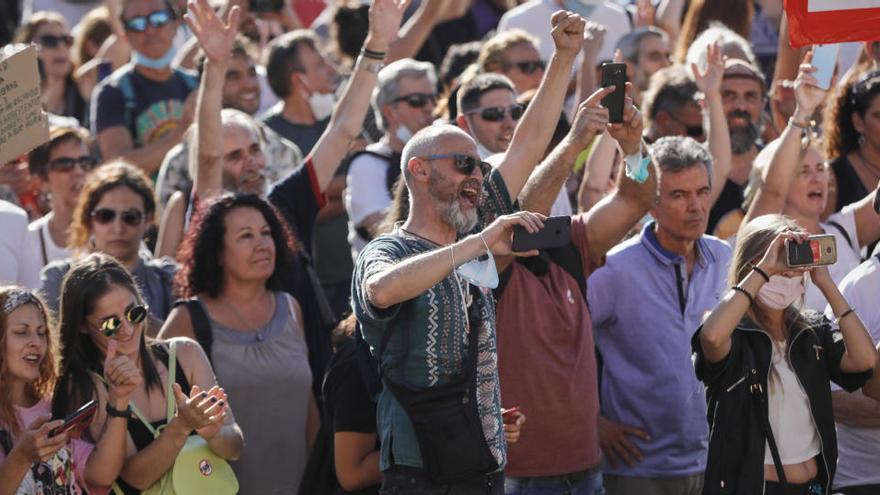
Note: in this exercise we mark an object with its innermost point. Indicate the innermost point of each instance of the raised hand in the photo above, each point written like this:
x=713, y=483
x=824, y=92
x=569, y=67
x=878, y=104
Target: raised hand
x=499, y=234
x=773, y=261
x=594, y=37
x=385, y=16
x=709, y=81
x=807, y=92
x=215, y=38
x=629, y=132
x=591, y=118
x=202, y=410
x=645, y=11
x=122, y=376
x=34, y=444
x=567, y=32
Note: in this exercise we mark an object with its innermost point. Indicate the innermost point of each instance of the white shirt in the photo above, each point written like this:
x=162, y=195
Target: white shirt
x=847, y=257
x=534, y=18
x=44, y=243
x=18, y=258
x=859, y=448
x=366, y=192
x=789, y=410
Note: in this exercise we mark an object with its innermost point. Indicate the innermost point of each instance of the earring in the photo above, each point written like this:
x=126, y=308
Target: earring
x=861, y=140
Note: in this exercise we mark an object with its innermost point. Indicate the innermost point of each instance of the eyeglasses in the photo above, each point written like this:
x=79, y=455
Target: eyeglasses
x=85, y=162
x=693, y=131
x=51, y=41
x=130, y=217
x=527, y=67
x=134, y=314
x=496, y=114
x=417, y=100
x=156, y=19
x=463, y=163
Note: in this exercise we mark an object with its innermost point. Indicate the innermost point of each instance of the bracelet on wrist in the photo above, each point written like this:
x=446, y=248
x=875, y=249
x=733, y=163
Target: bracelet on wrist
x=843, y=315
x=117, y=413
x=761, y=272
x=366, y=52
x=805, y=125
x=741, y=290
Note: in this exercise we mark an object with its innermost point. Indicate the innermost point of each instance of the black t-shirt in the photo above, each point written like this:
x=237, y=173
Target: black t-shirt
x=849, y=186
x=731, y=198
x=304, y=136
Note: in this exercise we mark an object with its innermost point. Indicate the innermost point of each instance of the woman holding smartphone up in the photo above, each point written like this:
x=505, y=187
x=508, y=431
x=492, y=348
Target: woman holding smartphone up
x=32, y=453
x=767, y=367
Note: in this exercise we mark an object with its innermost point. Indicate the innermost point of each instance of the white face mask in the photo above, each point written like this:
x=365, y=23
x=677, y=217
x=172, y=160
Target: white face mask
x=403, y=133
x=480, y=273
x=780, y=292
x=322, y=105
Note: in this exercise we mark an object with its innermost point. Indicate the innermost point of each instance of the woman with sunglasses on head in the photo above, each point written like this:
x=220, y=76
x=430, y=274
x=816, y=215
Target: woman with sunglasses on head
x=62, y=164
x=790, y=178
x=102, y=326
x=115, y=208
x=233, y=274
x=35, y=457
x=768, y=365
x=60, y=95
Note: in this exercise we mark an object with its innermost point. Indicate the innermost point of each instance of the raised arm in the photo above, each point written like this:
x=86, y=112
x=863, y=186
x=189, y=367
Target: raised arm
x=532, y=135
x=417, y=28
x=709, y=83
x=770, y=198
x=348, y=116
x=594, y=36
x=867, y=218
x=668, y=18
x=216, y=39
x=860, y=354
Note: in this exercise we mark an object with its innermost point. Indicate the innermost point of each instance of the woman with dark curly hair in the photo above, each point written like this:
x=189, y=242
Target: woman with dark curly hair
x=235, y=253
x=852, y=139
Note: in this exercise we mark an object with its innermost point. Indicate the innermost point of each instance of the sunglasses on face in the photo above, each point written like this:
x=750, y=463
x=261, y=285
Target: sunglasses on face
x=417, y=100
x=130, y=217
x=51, y=41
x=134, y=314
x=463, y=163
x=496, y=114
x=693, y=131
x=156, y=19
x=85, y=162
x=528, y=67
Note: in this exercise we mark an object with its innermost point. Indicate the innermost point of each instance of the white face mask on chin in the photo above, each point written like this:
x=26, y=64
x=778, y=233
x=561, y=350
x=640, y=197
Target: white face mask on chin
x=322, y=104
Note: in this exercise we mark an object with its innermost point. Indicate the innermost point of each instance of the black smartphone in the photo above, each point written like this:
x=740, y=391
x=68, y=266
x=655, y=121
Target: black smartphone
x=77, y=420
x=614, y=75
x=816, y=250
x=265, y=6
x=556, y=233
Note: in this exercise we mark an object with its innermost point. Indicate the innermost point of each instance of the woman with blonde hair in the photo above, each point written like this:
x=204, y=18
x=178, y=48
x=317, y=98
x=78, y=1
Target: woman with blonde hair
x=767, y=366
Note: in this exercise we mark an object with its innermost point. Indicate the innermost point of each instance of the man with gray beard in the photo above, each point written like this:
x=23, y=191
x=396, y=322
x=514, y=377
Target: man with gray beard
x=743, y=95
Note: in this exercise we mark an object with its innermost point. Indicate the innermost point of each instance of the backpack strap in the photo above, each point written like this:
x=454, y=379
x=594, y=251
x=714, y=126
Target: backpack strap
x=43, y=246
x=127, y=89
x=201, y=324
x=843, y=232
x=758, y=392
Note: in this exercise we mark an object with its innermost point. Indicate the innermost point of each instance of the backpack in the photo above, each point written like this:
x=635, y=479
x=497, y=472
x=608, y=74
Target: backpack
x=122, y=80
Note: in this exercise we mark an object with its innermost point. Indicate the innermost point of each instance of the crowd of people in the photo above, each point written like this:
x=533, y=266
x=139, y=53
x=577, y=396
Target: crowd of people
x=268, y=248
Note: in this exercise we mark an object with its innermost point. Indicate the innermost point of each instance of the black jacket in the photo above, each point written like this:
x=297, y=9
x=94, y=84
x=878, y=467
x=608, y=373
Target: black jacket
x=736, y=439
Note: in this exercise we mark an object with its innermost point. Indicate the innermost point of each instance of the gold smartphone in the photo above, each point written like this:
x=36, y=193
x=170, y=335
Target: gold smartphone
x=815, y=250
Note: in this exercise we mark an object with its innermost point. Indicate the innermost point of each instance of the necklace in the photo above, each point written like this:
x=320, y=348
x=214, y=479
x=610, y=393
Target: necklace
x=241, y=320
x=420, y=237
x=874, y=169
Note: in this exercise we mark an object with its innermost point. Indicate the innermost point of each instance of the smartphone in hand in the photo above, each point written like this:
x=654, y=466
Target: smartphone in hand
x=78, y=420
x=614, y=75
x=815, y=250
x=825, y=60
x=509, y=415
x=556, y=233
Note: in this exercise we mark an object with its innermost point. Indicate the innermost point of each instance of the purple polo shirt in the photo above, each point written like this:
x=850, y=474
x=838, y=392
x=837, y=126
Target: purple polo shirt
x=645, y=309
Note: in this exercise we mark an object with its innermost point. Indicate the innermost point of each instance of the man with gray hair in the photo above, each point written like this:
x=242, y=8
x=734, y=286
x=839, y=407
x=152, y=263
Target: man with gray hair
x=651, y=295
x=403, y=103
x=421, y=297
x=645, y=51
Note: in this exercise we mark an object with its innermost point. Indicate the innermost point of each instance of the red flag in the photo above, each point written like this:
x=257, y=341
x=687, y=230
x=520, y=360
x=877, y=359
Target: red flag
x=815, y=22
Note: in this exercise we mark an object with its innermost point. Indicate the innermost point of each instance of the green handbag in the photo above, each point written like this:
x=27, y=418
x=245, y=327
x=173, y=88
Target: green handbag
x=197, y=469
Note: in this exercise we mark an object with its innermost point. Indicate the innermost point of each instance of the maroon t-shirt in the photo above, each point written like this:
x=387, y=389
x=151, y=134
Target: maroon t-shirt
x=547, y=367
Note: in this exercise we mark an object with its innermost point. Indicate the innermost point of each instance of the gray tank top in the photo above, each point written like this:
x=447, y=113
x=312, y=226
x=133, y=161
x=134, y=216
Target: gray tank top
x=267, y=377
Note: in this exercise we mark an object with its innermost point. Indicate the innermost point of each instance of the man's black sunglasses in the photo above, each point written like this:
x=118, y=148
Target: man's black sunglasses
x=417, y=100
x=130, y=217
x=529, y=67
x=156, y=19
x=693, y=131
x=51, y=41
x=496, y=114
x=463, y=163
x=85, y=162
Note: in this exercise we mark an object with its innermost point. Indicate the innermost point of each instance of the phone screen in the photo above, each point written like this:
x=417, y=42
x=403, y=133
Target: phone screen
x=825, y=60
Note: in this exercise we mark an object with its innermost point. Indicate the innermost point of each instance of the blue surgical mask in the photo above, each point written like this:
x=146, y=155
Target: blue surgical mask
x=403, y=133
x=153, y=63
x=480, y=272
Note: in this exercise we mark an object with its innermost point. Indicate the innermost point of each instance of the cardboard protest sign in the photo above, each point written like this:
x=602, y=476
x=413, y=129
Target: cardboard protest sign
x=23, y=125
x=818, y=22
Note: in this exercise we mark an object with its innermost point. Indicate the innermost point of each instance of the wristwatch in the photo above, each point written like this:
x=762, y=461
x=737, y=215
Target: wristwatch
x=369, y=65
x=116, y=413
